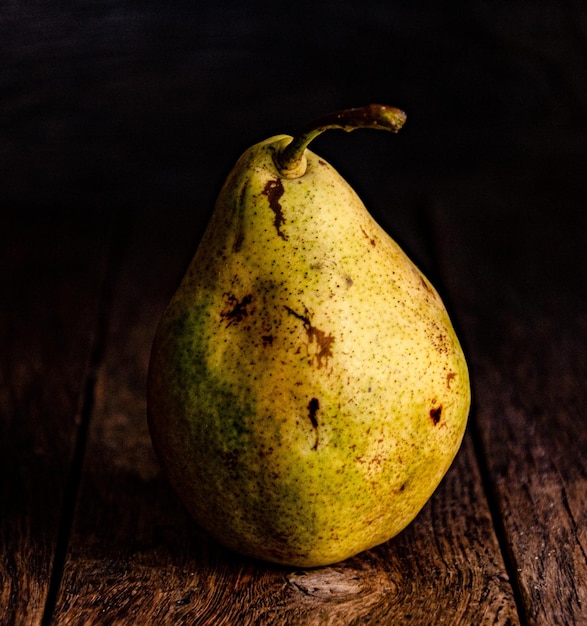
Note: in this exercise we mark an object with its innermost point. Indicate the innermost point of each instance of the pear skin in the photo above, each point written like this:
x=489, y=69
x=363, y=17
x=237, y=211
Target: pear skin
x=307, y=391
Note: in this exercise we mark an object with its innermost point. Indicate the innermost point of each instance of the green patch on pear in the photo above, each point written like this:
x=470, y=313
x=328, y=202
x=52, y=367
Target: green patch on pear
x=307, y=391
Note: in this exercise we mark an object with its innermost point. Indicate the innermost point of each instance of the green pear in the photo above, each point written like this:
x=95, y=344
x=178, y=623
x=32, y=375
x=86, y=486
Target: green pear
x=307, y=392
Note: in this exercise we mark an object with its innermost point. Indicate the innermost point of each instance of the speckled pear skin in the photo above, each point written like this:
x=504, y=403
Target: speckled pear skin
x=307, y=391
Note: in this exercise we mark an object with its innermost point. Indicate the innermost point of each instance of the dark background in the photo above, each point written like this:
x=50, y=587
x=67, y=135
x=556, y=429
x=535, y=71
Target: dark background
x=111, y=104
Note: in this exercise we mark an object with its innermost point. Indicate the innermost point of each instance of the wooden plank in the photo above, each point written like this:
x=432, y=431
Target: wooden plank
x=51, y=269
x=135, y=557
x=515, y=261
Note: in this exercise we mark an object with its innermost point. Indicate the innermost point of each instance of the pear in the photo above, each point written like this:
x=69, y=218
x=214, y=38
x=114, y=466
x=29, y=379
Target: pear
x=306, y=392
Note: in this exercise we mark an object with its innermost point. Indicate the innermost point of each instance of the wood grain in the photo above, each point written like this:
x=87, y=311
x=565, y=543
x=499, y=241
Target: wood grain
x=525, y=323
x=51, y=278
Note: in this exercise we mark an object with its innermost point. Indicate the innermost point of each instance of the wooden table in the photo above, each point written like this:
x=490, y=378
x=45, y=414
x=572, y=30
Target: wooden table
x=118, y=124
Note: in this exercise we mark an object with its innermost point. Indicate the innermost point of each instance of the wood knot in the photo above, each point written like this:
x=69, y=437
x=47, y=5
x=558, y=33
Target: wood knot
x=328, y=583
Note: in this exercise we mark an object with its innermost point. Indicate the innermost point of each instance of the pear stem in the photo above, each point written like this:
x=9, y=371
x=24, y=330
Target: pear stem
x=289, y=160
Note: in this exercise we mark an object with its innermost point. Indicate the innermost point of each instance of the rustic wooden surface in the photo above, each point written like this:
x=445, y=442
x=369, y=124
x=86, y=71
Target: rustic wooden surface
x=118, y=122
